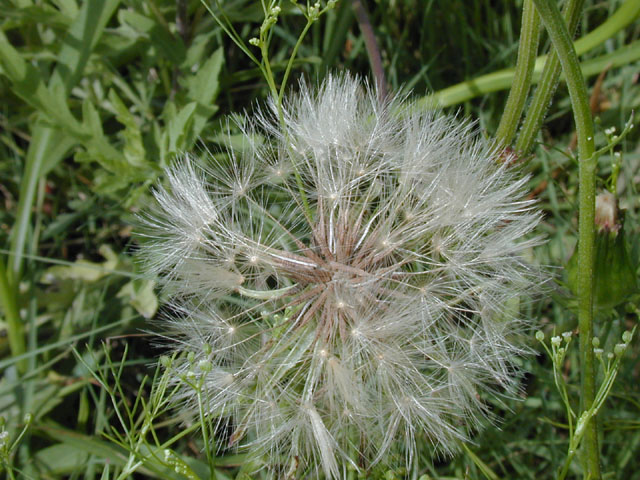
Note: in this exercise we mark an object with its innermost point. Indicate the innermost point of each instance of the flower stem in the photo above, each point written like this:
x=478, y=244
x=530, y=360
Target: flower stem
x=373, y=51
x=292, y=58
x=563, y=45
x=279, y=97
x=527, y=50
x=546, y=87
x=502, y=79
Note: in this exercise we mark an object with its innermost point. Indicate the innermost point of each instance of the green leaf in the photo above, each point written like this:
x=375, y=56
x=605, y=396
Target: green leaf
x=179, y=465
x=203, y=88
x=178, y=135
x=134, y=151
x=84, y=269
x=120, y=169
x=198, y=49
x=84, y=443
x=35, y=14
x=80, y=40
x=117, y=456
x=141, y=296
x=165, y=43
x=68, y=7
x=61, y=459
x=57, y=150
x=27, y=83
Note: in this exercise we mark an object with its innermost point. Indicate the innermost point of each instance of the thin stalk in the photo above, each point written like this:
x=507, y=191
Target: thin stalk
x=502, y=79
x=523, y=74
x=205, y=435
x=548, y=83
x=268, y=75
x=373, y=51
x=293, y=56
x=227, y=27
x=563, y=45
x=15, y=330
x=279, y=96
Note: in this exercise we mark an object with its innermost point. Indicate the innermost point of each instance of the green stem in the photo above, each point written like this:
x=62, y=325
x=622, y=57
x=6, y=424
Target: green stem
x=502, y=79
x=546, y=87
x=563, y=45
x=15, y=330
x=527, y=50
x=294, y=54
x=279, y=97
x=268, y=75
x=227, y=27
x=205, y=434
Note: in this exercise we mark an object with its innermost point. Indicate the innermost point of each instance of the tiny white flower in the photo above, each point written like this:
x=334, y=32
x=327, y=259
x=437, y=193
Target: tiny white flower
x=345, y=282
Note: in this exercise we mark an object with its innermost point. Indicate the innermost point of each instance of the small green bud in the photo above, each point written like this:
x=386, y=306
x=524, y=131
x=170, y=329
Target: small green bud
x=191, y=357
x=595, y=342
x=619, y=348
x=207, y=349
x=598, y=352
x=205, y=365
x=28, y=418
x=627, y=336
x=540, y=336
x=165, y=361
x=610, y=356
x=254, y=41
x=4, y=440
x=567, y=336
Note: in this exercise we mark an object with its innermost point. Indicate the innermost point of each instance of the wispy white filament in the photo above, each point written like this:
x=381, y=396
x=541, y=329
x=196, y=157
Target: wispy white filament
x=359, y=308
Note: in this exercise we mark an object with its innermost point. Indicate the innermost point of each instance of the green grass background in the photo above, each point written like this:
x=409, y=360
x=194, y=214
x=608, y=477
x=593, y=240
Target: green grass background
x=97, y=97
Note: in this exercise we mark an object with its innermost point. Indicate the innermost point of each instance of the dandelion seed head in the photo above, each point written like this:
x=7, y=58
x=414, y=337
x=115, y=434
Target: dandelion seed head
x=350, y=274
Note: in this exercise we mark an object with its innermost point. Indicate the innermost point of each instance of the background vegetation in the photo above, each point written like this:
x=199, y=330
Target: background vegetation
x=99, y=96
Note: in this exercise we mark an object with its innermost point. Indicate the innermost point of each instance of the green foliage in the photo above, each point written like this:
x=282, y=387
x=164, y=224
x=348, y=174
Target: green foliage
x=99, y=96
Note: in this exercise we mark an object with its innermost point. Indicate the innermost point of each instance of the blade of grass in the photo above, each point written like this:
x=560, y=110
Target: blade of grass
x=15, y=332
x=502, y=79
x=81, y=39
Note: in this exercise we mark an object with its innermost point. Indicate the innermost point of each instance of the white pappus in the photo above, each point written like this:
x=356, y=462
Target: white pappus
x=344, y=275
